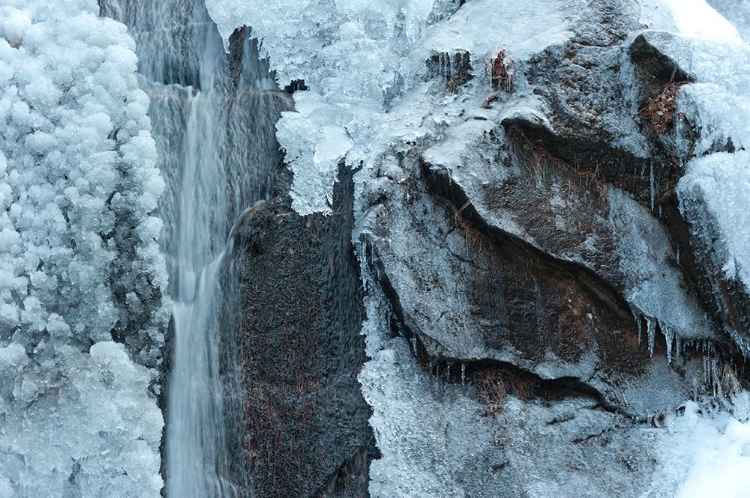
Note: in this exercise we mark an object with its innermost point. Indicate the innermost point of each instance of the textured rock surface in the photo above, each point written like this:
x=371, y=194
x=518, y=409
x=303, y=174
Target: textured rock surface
x=534, y=257
x=305, y=421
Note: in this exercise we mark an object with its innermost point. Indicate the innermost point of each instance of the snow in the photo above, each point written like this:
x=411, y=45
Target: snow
x=708, y=454
x=78, y=185
x=695, y=18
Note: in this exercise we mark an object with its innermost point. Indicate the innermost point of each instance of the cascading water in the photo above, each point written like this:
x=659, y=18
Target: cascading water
x=212, y=119
x=195, y=425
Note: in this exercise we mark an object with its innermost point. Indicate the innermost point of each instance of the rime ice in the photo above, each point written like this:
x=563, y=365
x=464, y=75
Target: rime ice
x=78, y=187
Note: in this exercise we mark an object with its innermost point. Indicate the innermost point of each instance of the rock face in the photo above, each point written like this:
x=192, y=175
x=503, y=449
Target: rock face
x=537, y=299
x=305, y=420
x=534, y=258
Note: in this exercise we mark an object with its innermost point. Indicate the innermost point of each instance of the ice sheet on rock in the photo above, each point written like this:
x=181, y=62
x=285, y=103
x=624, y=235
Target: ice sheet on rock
x=77, y=188
x=456, y=147
x=719, y=183
x=421, y=440
x=524, y=28
x=711, y=50
x=653, y=285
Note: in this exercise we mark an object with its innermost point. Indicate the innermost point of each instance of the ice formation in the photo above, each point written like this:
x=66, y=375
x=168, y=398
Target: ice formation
x=353, y=55
x=358, y=58
x=79, y=259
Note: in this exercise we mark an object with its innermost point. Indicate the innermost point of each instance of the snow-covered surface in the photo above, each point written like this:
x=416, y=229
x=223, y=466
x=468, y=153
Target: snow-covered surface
x=695, y=18
x=706, y=454
x=76, y=172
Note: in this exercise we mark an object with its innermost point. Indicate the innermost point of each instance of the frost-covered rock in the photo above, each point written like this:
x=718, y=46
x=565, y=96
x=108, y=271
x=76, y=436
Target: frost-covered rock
x=79, y=258
x=540, y=242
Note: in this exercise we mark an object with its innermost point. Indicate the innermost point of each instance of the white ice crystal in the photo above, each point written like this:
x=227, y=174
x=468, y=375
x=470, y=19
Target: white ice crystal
x=77, y=185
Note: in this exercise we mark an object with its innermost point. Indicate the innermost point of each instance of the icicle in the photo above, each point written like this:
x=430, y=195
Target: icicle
x=669, y=337
x=717, y=378
x=463, y=373
x=414, y=347
x=705, y=371
x=651, y=331
x=651, y=183
x=363, y=264
x=448, y=372
x=678, y=349
x=639, y=325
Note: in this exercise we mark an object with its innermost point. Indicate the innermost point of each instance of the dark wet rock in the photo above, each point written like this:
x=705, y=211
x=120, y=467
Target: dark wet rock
x=305, y=421
x=482, y=291
x=555, y=243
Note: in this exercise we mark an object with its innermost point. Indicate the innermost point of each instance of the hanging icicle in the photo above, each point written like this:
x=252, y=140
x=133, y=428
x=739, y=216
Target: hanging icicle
x=651, y=331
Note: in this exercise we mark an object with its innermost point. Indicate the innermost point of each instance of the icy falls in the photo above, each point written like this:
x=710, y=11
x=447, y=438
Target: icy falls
x=398, y=249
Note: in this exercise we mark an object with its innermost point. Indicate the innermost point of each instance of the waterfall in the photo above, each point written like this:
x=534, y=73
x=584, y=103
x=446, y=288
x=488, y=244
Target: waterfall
x=212, y=116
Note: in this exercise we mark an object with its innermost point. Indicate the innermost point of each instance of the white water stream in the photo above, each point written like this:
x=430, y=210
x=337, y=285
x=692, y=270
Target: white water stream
x=195, y=417
x=213, y=121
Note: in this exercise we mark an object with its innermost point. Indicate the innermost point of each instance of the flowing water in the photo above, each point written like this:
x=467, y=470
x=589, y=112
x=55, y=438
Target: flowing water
x=213, y=118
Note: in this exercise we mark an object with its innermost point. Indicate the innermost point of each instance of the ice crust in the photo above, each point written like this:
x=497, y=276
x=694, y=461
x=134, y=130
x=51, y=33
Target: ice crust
x=78, y=256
